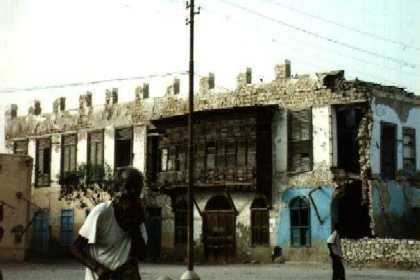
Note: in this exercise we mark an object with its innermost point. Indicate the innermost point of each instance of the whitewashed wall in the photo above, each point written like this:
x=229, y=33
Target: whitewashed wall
x=321, y=131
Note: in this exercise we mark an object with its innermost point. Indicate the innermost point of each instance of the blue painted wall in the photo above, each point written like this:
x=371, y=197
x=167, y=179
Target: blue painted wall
x=319, y=232
x=392, y=205
x=390, y=197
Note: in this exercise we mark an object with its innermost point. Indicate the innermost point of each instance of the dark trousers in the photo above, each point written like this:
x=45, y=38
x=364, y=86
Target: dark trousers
x=128, y=271
x=338, y=268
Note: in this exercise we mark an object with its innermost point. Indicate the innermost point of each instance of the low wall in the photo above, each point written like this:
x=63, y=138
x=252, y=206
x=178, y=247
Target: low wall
x=400, y=253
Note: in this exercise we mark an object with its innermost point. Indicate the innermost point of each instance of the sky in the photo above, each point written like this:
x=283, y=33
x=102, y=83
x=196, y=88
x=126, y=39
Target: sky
x=55, y=42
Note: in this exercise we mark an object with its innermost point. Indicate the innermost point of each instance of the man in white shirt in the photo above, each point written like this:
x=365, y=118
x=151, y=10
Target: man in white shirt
x=113, y=237
x=336, y=254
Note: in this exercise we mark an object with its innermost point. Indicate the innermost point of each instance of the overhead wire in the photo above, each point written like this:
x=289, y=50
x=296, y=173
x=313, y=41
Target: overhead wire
x=9, y=90
x=306, y=62
x=350, y=28
x=319, y=36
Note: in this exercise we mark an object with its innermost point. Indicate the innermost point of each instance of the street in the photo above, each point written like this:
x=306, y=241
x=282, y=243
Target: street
x=295, y=271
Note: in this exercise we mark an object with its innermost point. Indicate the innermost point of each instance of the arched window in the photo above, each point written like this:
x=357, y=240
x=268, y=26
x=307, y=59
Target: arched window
x=181, y=227
x=300, y=231
x=259, y=222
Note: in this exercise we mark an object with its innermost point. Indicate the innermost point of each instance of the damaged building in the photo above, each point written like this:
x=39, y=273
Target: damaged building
x=275, y=164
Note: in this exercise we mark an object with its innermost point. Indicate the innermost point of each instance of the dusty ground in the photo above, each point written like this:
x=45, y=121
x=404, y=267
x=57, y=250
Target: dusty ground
x=295, y=271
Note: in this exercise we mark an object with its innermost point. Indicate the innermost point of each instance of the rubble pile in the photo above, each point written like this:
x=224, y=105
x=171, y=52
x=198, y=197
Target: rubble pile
x=394, y=252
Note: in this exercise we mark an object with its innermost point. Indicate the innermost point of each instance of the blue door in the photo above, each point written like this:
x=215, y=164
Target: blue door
x=67, y=221
x=40, y=231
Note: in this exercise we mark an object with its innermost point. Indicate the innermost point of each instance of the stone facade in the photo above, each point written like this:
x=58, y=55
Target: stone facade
x=401, y=253
x=324, y=95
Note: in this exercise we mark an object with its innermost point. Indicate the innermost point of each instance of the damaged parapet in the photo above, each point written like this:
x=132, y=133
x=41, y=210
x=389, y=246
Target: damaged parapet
x=244, y=78
x=206, y=83
x=174, y=87
x=11, y=112
x=59, y=105
x=283, y=71
x=35, y=109
x=142, y=92
x=85, y=103
x=111, y=96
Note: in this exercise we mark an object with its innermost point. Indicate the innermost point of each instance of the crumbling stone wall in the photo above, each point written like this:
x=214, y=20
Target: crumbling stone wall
x=400, y=253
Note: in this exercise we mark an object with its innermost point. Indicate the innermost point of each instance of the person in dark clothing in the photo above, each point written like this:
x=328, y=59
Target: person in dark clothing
x=336, y=254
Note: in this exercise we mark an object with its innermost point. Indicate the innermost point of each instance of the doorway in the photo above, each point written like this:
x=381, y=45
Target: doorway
x=219, y=230
x=154, y=231
x=40, y=232
x=353, y=216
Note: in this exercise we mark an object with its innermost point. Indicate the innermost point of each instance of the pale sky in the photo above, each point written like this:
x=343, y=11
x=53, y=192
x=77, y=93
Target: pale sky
x=52, y=42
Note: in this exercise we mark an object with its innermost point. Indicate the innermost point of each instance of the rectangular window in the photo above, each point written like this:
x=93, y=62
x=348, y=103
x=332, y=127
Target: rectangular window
x=20, y=147
x=164, y=160
x=68, y=153
x=388, y=150
x=211, y=156
x=123, y=147
x=152, y=164
x=181, y=225
x=230, y=153
x=259, y=224
x=95, y=155
x=43, y=162
x=409, y=151
x=300, y=141
x=172, y=156
x=348, y=121
x=67, y=221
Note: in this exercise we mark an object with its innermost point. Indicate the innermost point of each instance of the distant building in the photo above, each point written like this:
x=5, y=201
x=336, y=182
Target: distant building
x=275, y=164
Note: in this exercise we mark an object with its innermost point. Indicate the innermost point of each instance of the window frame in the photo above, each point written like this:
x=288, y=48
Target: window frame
x=410, y=132
x=291, y=143
x=263, y=228
x=383, y=125
x=63, y=153
x=308, y=239
x=17, y=151
x=117, y=129
x=181, y=208
x=89, y=147
x=45, y=183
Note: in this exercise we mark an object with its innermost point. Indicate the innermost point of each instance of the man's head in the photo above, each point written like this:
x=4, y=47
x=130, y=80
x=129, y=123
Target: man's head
x=128, y=184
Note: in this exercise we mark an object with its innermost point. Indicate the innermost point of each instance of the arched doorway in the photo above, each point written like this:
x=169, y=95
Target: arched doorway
x=219, y=230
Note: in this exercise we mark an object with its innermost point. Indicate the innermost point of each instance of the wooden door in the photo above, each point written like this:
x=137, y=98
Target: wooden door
x=154, y=231
x=41, y=232
x=219, y=235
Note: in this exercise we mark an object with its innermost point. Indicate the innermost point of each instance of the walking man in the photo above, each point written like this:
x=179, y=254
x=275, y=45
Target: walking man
x=113, y=236
x=336, y=254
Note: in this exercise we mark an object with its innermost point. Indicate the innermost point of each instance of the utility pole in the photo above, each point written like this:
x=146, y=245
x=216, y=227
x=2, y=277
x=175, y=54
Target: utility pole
x=190, y=274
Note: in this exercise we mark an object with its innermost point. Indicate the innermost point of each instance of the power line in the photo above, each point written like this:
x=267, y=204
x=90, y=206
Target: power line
x=322, y=37
x=92, y=82
x=370, y=34
x=304, y=43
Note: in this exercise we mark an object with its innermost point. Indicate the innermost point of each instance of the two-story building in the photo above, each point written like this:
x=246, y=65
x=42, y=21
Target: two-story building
x=275, y=164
